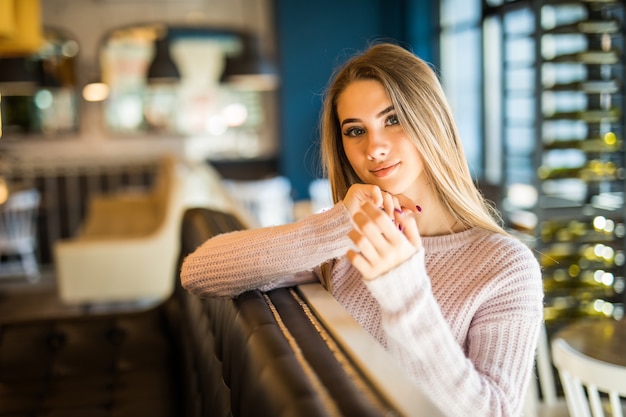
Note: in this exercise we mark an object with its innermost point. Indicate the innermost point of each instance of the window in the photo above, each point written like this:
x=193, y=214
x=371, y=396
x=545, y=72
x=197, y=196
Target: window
x=461, y=63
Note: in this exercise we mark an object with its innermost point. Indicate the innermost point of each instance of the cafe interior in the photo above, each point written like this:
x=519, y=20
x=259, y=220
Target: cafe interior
x=133, y=130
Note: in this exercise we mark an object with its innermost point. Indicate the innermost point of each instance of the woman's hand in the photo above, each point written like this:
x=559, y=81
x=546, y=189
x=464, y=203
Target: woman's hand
x=384, y=242
x=359, y=193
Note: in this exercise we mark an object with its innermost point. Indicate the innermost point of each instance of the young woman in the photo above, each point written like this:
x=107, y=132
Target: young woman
x=410, y=248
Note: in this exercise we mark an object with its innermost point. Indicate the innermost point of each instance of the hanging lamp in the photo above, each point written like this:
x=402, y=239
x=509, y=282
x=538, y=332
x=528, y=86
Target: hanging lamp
x=250, y=69
x=162, y=69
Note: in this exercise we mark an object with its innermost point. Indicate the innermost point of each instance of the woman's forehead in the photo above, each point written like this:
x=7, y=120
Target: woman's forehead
x=364, y=97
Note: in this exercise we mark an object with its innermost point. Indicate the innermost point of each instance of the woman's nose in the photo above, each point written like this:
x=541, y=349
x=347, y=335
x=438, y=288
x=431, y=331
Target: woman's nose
x=377, y=145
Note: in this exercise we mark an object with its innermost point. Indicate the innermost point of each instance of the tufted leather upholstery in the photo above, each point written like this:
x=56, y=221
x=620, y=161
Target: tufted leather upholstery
x=122, y=365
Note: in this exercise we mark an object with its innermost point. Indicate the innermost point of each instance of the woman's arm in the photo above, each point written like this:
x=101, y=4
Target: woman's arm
x=484, y=371
x=235, y=262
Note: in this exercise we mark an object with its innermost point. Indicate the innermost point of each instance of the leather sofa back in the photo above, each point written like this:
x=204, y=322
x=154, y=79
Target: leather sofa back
x=264, y=354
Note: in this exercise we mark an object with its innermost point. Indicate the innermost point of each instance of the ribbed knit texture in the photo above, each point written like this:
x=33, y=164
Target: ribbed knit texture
x=462, y=316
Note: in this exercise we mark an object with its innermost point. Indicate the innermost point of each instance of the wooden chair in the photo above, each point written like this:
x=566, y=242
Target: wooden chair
x=592, y=387
x=18, y=227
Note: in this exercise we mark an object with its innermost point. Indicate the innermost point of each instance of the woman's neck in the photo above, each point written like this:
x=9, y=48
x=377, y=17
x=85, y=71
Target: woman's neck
x=435, y=219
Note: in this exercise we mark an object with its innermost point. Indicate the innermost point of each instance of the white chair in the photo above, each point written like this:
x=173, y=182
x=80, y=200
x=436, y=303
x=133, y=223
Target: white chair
x=548, y=404
x=128, y=246
x=592, y=387
x=18, y=227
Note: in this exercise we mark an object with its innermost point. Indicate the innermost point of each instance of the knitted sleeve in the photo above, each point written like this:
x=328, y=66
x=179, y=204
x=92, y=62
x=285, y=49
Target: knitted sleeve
x=484, y=372
x=231, y=263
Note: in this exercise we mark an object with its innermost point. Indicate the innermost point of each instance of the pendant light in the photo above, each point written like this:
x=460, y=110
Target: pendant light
x=250, y=69
x=162, y=69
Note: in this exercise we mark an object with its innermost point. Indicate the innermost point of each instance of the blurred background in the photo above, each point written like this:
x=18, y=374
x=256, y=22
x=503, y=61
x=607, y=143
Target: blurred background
x=94, y=91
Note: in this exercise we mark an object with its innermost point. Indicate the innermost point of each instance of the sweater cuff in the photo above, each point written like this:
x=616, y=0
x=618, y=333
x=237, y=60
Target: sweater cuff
x=402, y=285
x=334, y=225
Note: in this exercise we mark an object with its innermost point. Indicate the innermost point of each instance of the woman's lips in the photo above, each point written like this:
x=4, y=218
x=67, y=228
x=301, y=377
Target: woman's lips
x=385, y=170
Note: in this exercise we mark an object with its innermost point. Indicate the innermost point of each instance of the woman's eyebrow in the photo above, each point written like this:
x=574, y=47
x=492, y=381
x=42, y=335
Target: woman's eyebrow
x=385, y=111
x=349, y=121
x=379, y=114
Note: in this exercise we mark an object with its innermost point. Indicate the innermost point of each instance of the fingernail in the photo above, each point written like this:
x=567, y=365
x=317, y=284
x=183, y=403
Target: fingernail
x=400, y=227
x=419, y=208
x=397, y=210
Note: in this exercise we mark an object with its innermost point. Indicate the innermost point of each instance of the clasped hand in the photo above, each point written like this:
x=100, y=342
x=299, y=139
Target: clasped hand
x=385, y=231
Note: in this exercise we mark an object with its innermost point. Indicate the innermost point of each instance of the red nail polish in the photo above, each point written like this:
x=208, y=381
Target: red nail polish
x=419, y=208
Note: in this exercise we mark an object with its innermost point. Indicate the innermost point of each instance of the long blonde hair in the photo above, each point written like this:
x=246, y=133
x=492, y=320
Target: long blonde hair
x=425, y=115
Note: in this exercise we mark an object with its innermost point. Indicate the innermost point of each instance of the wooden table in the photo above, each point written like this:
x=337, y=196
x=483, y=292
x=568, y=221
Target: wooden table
x=602, y=339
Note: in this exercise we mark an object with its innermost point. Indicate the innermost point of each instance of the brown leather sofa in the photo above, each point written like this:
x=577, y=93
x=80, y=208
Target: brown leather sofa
x=104, y=365
x=261, y=354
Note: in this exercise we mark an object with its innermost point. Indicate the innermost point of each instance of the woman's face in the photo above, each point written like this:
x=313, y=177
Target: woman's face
x=374, y=142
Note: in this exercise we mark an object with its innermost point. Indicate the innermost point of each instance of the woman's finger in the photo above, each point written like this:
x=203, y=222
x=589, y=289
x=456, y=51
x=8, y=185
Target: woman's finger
x=359, y=193
x=361, y=264
x=406, y=204
x=374, y=225
x=407, y=224
x=364, y=245
x=389, y=203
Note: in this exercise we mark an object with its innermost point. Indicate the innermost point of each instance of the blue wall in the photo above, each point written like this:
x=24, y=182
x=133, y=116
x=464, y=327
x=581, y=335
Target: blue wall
x=316, y=36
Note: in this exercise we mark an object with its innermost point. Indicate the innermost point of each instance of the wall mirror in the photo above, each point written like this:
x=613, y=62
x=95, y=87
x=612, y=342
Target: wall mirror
x=174, y=80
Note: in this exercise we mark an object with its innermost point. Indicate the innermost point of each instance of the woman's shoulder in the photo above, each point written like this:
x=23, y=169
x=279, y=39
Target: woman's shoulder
x=504, y=246
x=477, y=245
x=512, y=261
x=474, y=237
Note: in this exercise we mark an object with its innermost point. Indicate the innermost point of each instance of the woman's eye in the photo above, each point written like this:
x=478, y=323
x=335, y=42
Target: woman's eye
x=392, y=120
x=354, y=131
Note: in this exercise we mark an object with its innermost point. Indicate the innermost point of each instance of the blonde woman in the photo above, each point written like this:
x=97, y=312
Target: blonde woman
x=410, y=248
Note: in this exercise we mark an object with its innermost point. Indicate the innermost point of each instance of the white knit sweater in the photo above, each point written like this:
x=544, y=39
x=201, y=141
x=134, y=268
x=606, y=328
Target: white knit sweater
x=462, y=316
